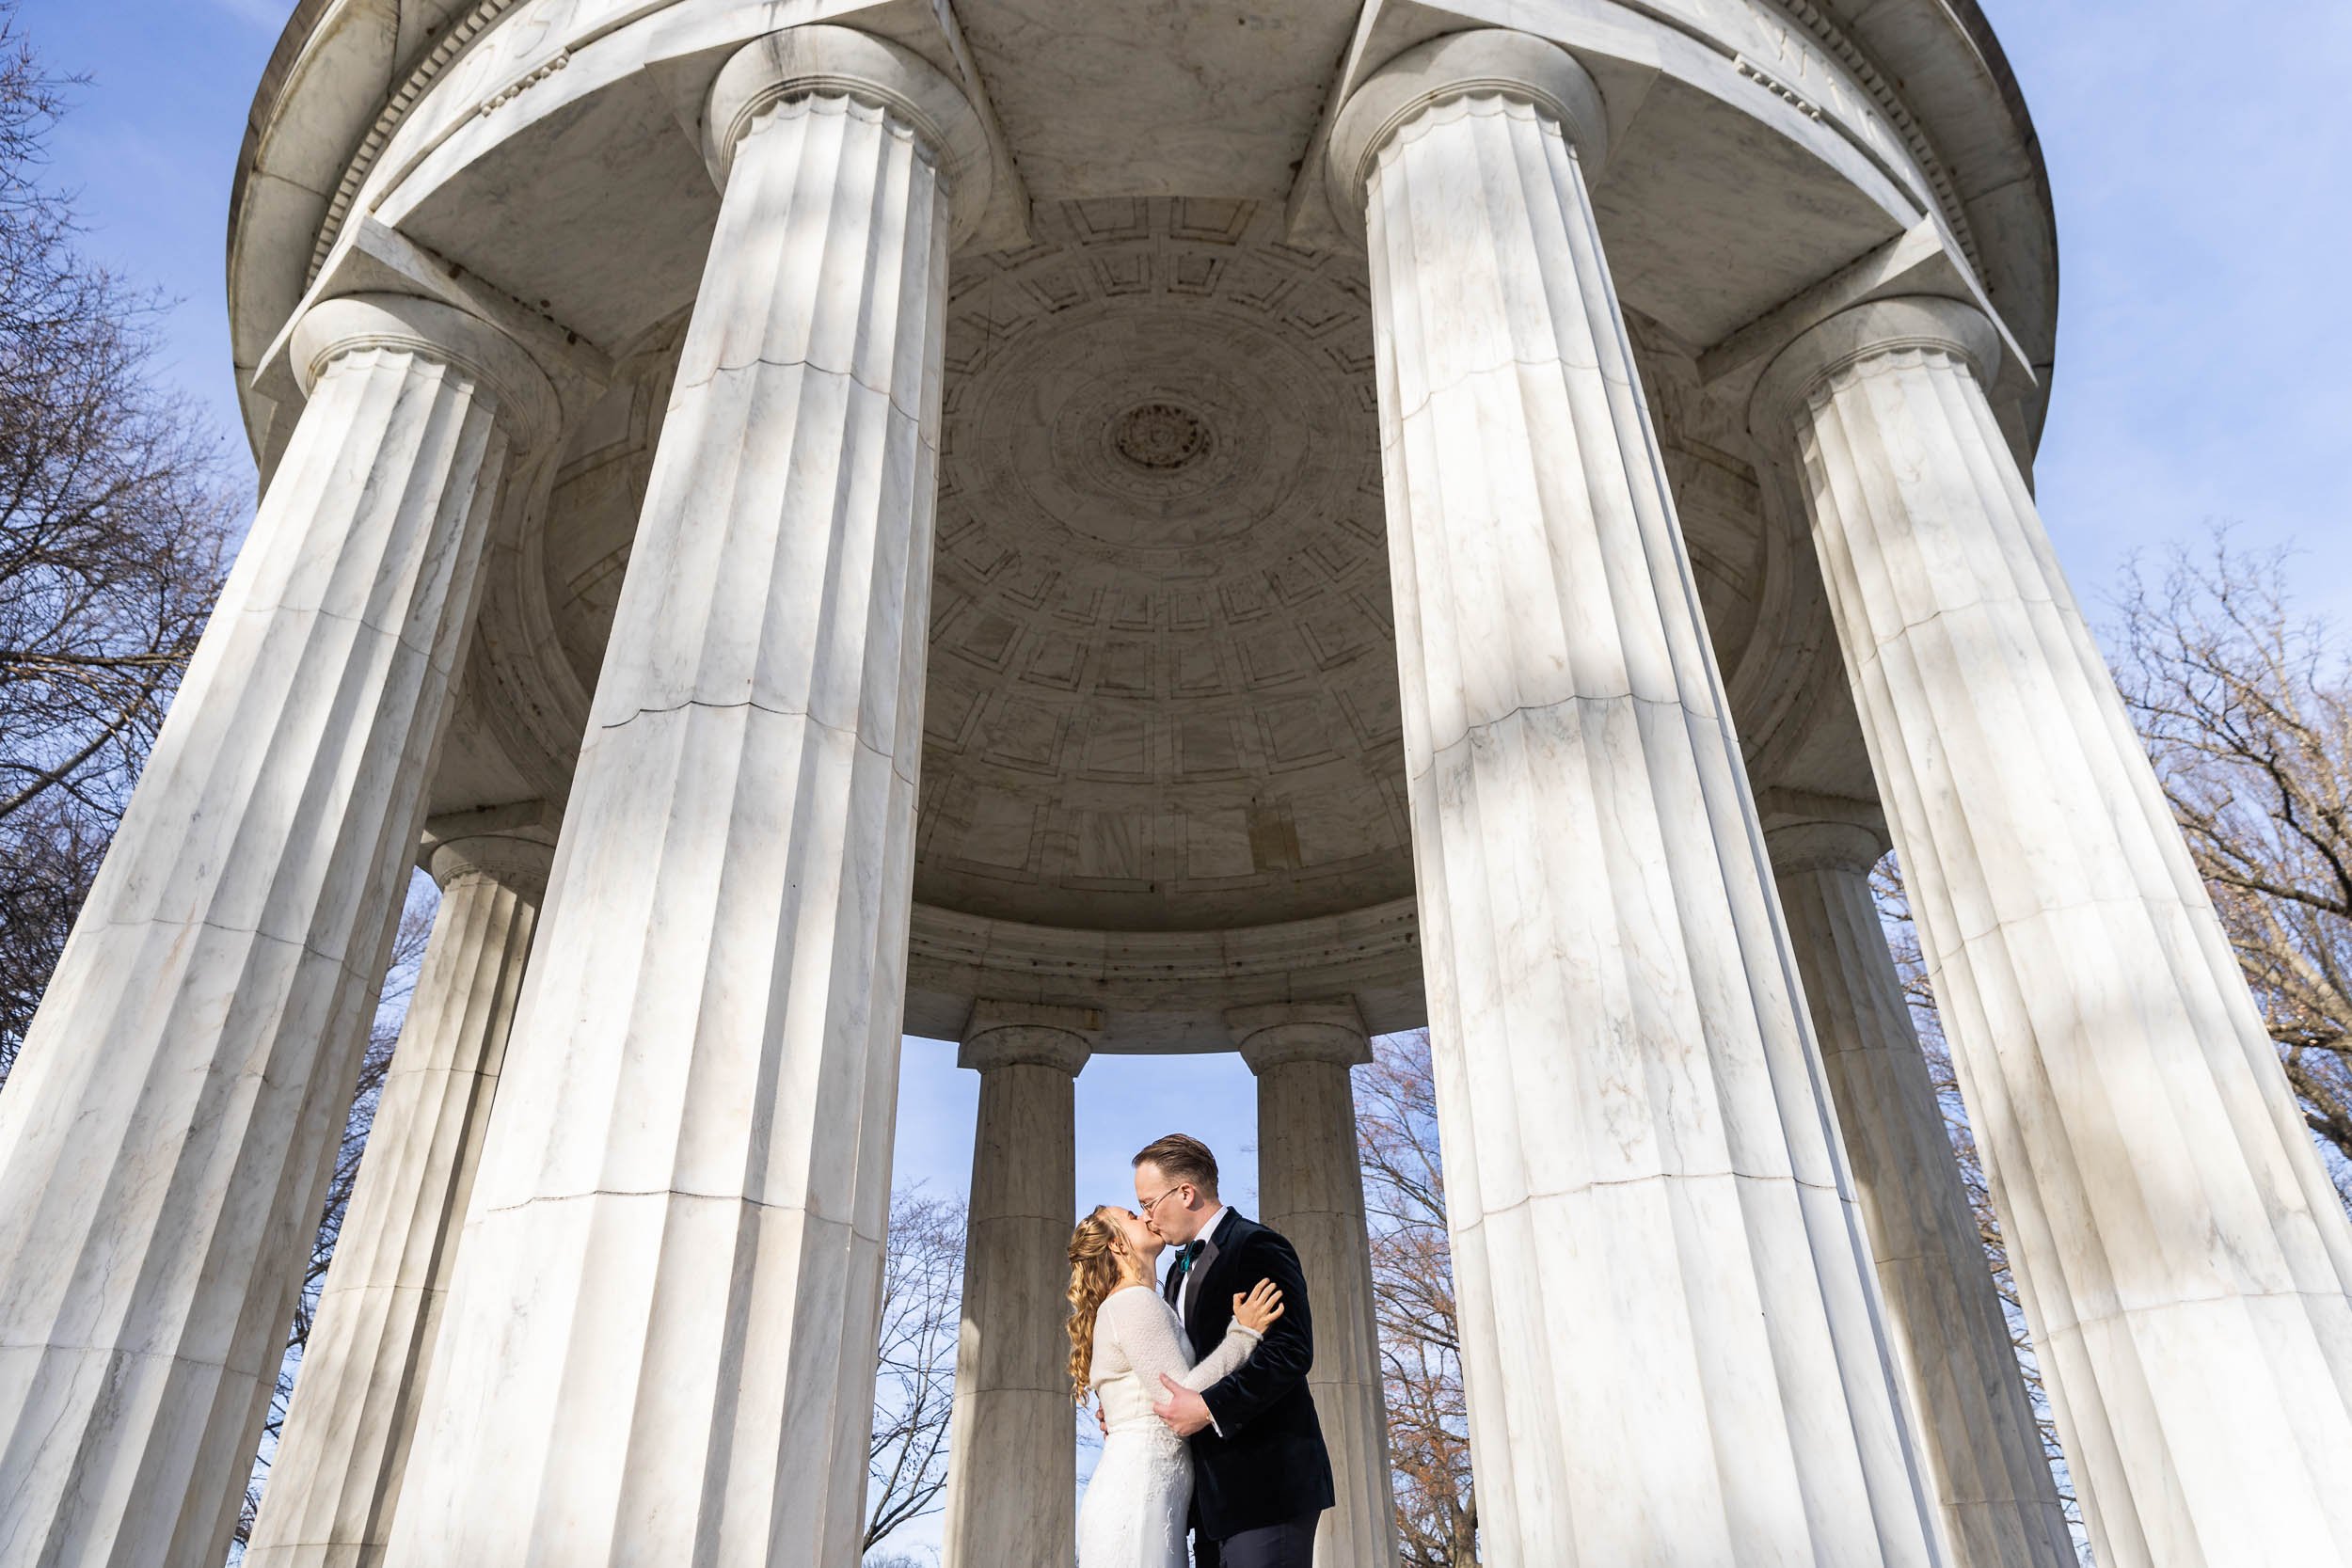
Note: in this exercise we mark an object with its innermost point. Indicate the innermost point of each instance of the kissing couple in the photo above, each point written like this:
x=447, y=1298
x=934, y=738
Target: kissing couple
x=1225, y=1445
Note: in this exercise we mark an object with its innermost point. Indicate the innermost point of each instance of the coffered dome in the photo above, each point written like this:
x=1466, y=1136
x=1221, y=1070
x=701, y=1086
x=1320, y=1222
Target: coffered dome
x=1163, y=683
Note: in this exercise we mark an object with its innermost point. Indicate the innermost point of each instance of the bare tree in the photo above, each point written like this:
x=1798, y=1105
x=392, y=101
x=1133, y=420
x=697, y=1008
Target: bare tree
x=49, y=855
x=2246, y=710
x=1412, y=1288
x=915, y=1361
x=114, y=517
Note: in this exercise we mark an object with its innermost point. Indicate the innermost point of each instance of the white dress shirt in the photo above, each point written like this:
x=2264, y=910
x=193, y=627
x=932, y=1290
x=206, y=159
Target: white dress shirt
x=1192, y=1275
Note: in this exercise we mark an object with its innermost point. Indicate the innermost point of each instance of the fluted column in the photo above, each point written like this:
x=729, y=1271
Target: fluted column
x=2182, y=1259
x=1981, y=1448
x=165, y=1137
x=1310, y=1184
x=1012, y=1444
x=659, y=1345
x=336, y=1477
x=1671, y=1350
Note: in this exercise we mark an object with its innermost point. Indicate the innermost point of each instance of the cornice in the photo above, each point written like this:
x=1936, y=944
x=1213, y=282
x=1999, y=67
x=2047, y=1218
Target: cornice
x=411, y=92
x=1923, y=153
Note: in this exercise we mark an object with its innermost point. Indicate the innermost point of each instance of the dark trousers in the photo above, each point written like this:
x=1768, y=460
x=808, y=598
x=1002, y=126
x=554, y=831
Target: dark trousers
x=1288, y=1544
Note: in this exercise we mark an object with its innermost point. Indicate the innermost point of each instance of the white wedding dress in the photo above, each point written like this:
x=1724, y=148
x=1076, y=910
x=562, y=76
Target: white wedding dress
x=1133, y=1515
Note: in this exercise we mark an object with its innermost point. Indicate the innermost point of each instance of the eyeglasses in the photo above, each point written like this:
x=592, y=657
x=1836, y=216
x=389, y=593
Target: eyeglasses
x=1155, y=1203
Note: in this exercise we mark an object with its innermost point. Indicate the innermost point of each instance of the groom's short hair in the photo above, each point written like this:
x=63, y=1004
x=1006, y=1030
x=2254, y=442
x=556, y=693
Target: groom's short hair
x=1182, y=1158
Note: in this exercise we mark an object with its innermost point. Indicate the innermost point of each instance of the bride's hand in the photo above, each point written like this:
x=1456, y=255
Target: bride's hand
x=1257, y=1311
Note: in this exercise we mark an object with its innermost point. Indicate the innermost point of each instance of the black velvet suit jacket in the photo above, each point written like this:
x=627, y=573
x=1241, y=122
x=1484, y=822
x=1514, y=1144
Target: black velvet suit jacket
x=1270, y=1465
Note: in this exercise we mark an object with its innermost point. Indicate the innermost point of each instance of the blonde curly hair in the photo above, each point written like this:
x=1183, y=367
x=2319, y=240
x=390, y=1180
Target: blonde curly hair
x=1095, y=1252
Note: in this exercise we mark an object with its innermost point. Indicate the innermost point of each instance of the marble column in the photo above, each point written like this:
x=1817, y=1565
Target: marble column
x=2182, y=1259
x=165, y=1137
x=1012, y=1446
x=1979, y=1446
x=659, y=1342
x=1310, y=1185
x=1671, y=1349
x=337, y=1474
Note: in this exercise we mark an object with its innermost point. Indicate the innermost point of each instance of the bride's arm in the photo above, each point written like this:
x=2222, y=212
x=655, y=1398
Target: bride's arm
x=1220, y=1363
x=1110, y=1352
x=1148, y=1333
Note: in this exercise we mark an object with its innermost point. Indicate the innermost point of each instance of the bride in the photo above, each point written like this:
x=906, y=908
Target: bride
x=1122, y=1336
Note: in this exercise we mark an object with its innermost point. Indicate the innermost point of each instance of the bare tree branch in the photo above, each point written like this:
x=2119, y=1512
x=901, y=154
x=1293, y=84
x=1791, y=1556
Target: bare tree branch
x=114, y=515
x=915, y=1361
x=2246, y=710
x=1412, y=1288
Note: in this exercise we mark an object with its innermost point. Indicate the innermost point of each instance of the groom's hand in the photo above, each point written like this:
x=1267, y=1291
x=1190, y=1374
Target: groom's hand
x=1184, y=1411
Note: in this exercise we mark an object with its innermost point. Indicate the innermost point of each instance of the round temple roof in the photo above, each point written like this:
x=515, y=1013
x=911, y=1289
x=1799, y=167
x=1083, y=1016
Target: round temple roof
x=344, y=70
x=1163, y=767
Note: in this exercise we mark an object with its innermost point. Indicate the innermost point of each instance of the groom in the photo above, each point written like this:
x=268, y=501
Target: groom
x=1261, y=1478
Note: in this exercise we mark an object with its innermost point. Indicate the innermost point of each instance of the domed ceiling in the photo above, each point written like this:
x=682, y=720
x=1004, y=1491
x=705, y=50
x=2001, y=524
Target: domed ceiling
x=1163, y=680
x=1163, y=689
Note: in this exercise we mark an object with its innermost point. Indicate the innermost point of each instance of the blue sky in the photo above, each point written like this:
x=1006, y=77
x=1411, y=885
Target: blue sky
x=2199, y=168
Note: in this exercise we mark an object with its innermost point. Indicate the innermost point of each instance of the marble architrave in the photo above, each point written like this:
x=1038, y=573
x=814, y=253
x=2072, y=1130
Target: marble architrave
x=1981, y=1448
x=1310, y=1186
x=2185, y=1264
x=1013, y=1429
x=165, y=1137
x=1671, y=1350
x=659, y=1342
x=336, y=1477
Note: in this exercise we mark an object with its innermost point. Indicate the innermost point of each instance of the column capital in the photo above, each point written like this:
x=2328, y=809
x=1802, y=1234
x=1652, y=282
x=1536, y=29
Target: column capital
x=510, y=861
x=1028, y=1034
x=1496, y=61
x=1278, y=1033
x=820, y=59
x=522, y=398
x=1824, y=846
x=1864, y=332
x=513, y=844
